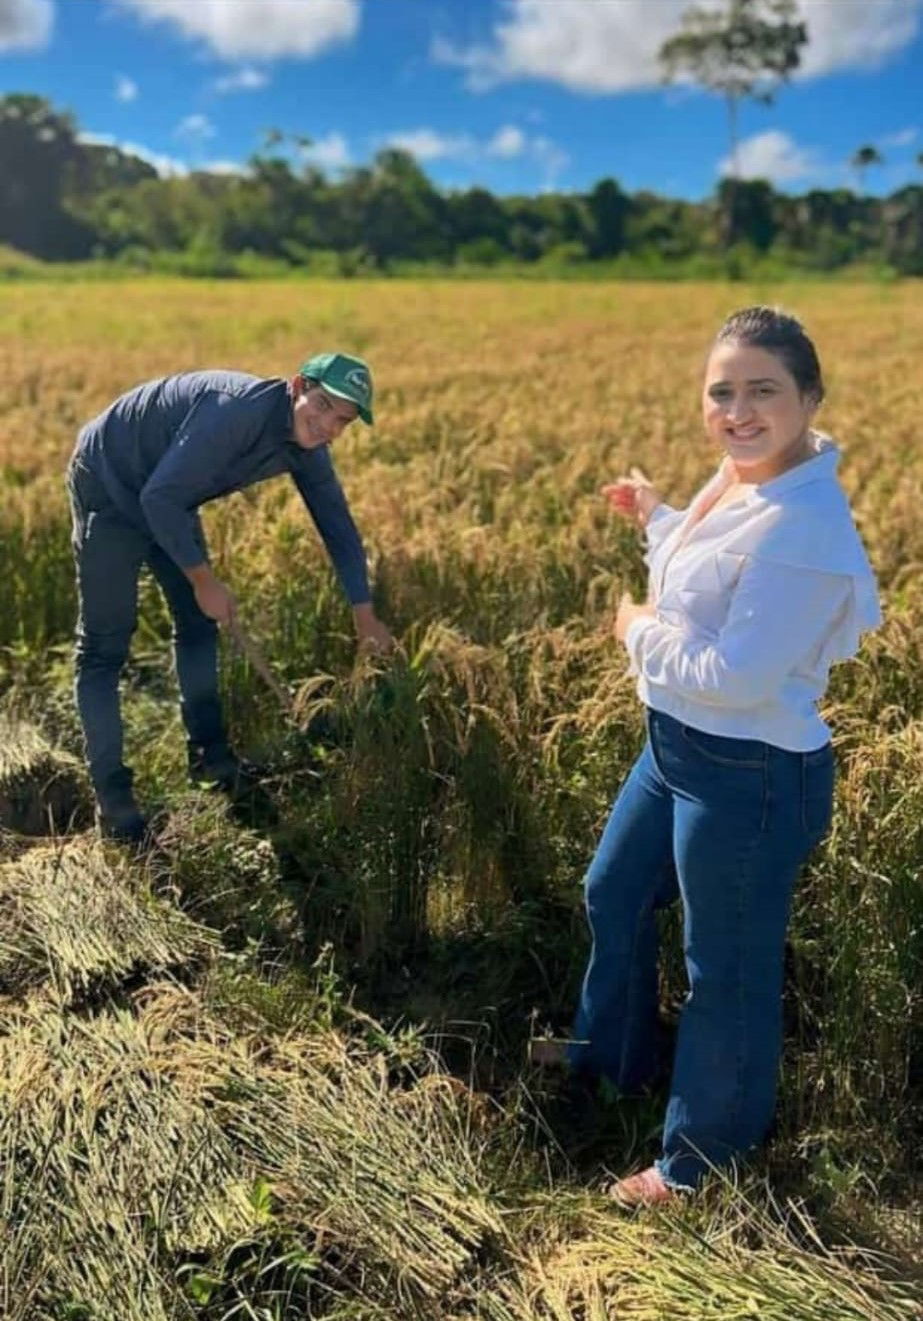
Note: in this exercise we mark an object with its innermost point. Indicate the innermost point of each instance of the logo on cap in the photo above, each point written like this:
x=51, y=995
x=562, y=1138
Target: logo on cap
x=359, y=380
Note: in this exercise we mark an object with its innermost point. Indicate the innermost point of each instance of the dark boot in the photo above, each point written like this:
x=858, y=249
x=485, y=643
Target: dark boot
x=217, y=766
x=118, y=815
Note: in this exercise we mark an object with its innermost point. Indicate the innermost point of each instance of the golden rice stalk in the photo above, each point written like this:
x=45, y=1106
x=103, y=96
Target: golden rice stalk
x=72, y=919
x=688, y=1265
x=127, y=1134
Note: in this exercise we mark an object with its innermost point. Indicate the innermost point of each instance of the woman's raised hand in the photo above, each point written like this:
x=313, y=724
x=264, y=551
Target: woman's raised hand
x=633, y=496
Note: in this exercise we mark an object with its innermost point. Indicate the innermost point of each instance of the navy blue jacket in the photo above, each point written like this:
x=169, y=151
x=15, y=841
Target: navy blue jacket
x=168, y=446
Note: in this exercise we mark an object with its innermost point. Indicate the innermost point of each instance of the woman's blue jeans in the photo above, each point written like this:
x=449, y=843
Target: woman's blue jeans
x=730, y=821
x=109, y=554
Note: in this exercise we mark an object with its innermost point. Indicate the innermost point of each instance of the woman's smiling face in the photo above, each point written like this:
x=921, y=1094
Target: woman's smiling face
x=754, y=410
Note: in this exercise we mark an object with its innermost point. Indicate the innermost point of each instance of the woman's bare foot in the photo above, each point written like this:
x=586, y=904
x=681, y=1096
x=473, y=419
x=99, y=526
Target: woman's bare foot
x=644, y=1189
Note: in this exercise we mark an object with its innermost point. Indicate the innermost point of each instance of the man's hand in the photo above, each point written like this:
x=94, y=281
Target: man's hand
x=632, y=497
x=373, y=635
x=628, y=612
x=214, y=599
x=217, y=602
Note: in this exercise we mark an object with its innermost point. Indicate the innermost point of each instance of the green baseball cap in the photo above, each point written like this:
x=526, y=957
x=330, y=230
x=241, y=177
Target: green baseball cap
x=347, y=377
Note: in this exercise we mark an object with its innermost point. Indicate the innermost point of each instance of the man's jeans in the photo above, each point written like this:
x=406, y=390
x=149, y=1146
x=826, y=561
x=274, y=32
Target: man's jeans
x=731, y=821
x=109, y=553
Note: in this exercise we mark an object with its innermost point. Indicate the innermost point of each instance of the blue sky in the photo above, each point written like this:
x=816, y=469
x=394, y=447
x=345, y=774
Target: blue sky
x=517, y=95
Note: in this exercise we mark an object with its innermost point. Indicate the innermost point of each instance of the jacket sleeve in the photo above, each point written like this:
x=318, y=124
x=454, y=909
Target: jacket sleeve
x=319, y=487
x=216, y=429
x=779, y=616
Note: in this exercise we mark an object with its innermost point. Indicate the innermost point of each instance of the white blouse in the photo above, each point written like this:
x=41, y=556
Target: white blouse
x=754, y=601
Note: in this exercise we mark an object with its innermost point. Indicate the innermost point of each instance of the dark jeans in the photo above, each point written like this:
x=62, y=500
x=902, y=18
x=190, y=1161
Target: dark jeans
x=731, y=821
x=109, y=553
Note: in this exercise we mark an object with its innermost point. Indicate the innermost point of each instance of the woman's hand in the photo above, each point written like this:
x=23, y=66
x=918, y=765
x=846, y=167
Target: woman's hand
x=628, y=612
x=633, y=497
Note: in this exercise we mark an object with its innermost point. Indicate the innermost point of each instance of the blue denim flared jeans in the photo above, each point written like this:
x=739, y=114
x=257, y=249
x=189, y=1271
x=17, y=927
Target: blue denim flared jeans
x=729, y=822
x=109, y=554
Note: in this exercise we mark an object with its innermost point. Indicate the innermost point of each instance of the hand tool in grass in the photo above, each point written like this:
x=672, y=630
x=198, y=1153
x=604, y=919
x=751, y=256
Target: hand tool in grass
x=305, y=726
x=252, y=653
x=257, y=807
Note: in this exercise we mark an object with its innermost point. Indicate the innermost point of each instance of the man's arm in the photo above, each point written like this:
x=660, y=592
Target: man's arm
x=315, y=477
x=215, y=431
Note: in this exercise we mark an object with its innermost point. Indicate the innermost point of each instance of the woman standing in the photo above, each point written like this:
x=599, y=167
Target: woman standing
x=755, y=591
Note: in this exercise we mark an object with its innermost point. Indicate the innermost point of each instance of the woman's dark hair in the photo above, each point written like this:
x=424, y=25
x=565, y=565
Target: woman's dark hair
x=783, y=336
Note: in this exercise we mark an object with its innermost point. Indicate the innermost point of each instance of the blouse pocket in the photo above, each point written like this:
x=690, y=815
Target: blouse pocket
x=706, y=611
x=702, y=598
x=702, y=594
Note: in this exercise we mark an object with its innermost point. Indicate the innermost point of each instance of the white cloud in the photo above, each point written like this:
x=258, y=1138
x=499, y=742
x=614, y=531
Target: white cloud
x=256, y=29
x=774, y=156
x=586, y=47
x=241, y=80
x=195, y=128
x=905, y=137
x=506, y=142
x=426, y=144
x=25, y=24
x=166, y=166
x=126, y=89
x=223, y=167
x=329, y=153
x=600, y=47
x=856, y=34
x=551, y=157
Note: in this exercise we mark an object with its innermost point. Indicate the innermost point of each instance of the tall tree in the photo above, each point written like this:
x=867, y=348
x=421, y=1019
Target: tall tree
x=609, y=208
x=475, y=216
x=399, y=212
x=38, y=145
x=902, y=229
x=752, y=210
x=743, y=50
x=862, y=159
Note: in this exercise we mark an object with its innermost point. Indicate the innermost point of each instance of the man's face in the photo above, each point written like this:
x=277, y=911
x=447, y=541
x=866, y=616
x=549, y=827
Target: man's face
x=318, y=417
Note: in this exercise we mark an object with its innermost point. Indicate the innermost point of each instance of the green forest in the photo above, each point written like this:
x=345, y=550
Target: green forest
x=66, y=200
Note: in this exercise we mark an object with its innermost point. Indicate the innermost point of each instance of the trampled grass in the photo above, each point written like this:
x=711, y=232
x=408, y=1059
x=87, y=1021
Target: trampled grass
x=278, y=1070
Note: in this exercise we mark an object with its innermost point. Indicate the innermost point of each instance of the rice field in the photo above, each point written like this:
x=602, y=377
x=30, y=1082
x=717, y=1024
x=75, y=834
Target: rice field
x=279, y=1067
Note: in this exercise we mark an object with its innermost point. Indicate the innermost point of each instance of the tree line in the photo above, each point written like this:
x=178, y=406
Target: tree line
x=62, y=199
